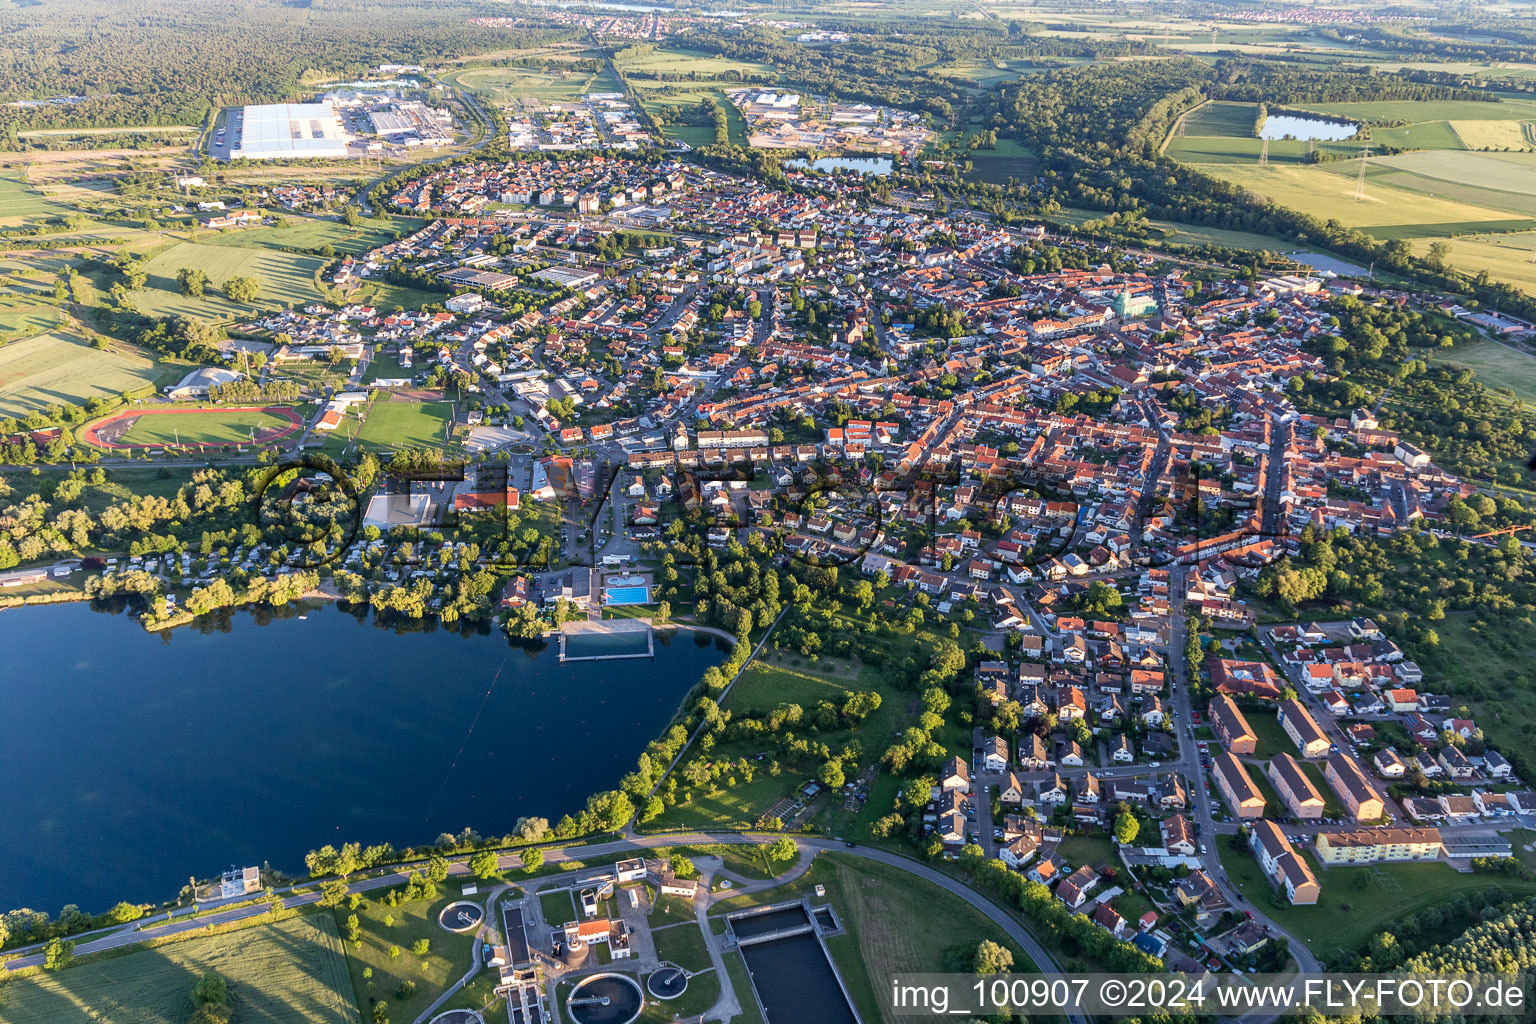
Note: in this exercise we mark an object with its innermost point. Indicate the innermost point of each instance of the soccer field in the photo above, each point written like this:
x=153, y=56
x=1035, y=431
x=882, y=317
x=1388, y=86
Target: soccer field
x=406, y=424
x=206, y=426
x=285, y=278
x=62, y=367
x=289, y=971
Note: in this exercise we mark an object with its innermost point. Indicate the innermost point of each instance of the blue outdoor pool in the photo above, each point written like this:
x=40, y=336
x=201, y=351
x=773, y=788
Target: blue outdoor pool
x=629, y=595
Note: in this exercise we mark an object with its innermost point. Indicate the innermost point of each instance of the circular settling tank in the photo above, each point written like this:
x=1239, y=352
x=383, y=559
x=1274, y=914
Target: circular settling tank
x=605, y=999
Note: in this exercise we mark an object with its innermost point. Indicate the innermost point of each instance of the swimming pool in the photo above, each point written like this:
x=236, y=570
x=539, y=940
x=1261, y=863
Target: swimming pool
x=629, y=595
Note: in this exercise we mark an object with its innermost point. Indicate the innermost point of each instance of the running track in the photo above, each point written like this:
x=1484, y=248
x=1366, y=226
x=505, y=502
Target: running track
x=90, y=434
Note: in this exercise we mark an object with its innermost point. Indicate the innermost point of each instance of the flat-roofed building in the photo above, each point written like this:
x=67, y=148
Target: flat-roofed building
x=1349, y=781
x=1283, y=864
x=1373, y=845
x=1230, y=725
x=1294, y=788
x=1302, y=728
x=1237, y=787
x=288, y=131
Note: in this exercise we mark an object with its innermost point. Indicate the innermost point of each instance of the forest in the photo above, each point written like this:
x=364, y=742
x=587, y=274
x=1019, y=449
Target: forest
x=149, y=62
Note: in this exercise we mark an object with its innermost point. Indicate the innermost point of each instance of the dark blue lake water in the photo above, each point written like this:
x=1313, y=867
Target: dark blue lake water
x=135, y=760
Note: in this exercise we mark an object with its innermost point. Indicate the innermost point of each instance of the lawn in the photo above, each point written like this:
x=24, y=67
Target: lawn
x=1346, y=916
x=742, y=984
x=277, y=972
x=286, y=279
x=210, y=426
x=448, y=958
x=682, y=944
x=1272, y=738
x=558, y=907
x=671, y=60
x=63, y=367
x=1092, y=850
x=893, y=922
x=403, y=423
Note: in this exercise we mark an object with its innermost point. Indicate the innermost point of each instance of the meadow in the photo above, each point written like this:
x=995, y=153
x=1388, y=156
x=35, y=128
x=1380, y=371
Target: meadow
x=63, y=367
x=287, y=279
x=670, y=60
x=287, y=971
x=24, y=321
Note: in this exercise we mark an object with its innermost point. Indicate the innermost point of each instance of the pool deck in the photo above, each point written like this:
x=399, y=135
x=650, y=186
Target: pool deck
x=588, y=627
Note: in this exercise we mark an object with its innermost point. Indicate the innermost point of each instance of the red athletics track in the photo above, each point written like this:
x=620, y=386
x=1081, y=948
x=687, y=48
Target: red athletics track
x=92, y=434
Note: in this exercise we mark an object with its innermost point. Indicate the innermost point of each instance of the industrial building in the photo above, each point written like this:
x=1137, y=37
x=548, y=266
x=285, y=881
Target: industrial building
x=283, y=131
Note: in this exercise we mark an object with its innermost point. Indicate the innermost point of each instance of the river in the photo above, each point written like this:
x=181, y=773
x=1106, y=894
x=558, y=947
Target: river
x=135, y=760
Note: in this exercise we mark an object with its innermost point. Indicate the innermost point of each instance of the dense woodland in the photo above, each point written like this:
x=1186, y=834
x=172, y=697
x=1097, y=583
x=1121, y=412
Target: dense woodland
x=149, y=62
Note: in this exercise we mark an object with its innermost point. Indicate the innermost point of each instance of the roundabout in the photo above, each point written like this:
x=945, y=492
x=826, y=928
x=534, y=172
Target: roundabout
x=605, y=999
x=461, y=917
x=667, y=982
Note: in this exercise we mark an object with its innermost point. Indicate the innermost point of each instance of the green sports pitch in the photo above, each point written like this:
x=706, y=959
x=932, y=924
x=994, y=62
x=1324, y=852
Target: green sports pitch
x=194, y=427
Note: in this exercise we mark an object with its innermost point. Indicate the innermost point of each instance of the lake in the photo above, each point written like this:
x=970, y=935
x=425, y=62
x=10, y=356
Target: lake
x=1278, y=126
x=134, y=760
x=877, y=165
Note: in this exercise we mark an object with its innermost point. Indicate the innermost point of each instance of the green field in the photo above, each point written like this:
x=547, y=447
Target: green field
x=381, y=926
x=286, y=279
x=1008, y=159
x=1346, y=916
x=214, y=426
x=1418, y=111
x=673, y=60
x=63, y=367
x=22, y=206
x=405, y=424
x=277, y=973
x=1328, y=191
x=508, y=86
x=27, y=321
x=1506, y=257
x=307, y=233
x=1496, y=365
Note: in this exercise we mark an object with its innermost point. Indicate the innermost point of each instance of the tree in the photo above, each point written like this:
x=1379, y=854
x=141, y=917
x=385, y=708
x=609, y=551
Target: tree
x=242, y=289
x=211, y=990
x=485, y=864
x=191, y=281
x=1127, y=828
x=782, y=850
x=684, y=868
x=333, y=893
x=992, y=958
x=533, y=859
x=58, y=954
x=421, y=947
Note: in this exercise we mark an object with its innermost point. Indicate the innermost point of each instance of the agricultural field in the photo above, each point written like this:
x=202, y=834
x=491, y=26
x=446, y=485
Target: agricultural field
x=1008, y=159
x=1496, y=134
x=62, y=366
x=287, y=971
x=659, y=97
x=1419, y=111
x=286, y=279
x=404, y=423
x=1328, y=191
x=22, y=206
x=1507, y=257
